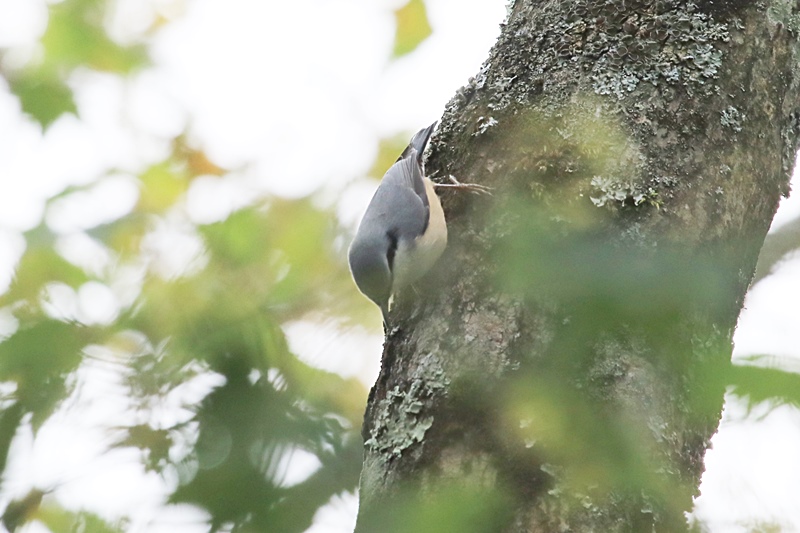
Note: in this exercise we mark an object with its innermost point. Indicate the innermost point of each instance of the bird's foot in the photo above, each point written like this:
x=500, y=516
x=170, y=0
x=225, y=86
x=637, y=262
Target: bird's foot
x=474, y=188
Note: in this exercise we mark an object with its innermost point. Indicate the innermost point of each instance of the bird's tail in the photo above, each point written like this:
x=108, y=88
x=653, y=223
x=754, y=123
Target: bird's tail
x=418, y=143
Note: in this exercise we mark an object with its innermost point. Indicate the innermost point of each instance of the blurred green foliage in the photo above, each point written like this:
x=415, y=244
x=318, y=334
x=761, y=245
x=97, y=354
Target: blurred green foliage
x=412, y=27
x=264, y=266
x=42, y=95
x=59, y=519
x=219, y=322
x=75, y=38
x=447, y=507
x=763, y=378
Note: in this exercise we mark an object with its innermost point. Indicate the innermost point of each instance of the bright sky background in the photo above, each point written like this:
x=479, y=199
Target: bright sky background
x=295, y=95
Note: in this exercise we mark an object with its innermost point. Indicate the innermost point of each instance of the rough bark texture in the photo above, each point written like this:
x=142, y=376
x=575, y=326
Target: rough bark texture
x=653, y=139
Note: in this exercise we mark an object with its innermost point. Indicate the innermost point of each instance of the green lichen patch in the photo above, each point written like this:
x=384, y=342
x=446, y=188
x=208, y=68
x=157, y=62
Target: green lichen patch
x=674, y=46
x=784, y=13
x=608, y=191
x=732, y=118
x=402, y=420
x=620, y=44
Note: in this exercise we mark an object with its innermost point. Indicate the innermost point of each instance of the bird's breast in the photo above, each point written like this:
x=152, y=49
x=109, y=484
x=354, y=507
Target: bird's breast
x=414, y=259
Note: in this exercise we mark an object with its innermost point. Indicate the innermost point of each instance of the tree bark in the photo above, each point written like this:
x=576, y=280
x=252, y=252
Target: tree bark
x=562, y=369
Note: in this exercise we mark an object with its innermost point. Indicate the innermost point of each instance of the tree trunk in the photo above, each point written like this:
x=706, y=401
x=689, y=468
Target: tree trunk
x=563, y=367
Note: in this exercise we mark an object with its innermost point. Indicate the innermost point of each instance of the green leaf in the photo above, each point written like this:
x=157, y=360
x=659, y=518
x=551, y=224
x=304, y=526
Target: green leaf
x=10, y=419
x=38, y=267
x=56, y=518
x=21, y=511
x=162, y=185
x=43, y=96
x=245, y=426
x=412, y=27
x=39, y=358
x=759, y=384
x=295, y=511
x=75, y=37
x=156, y=442
x=239, y=239
x=123, y=235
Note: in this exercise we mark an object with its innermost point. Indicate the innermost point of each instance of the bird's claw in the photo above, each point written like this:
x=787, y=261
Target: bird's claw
x=474, y=188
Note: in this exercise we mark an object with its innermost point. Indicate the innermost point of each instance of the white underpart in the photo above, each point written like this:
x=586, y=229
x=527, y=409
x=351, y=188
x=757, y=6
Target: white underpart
x=413, y=260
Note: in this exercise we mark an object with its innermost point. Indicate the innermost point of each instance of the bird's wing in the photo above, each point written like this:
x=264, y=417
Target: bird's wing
x=407, y=174
x=398, y=210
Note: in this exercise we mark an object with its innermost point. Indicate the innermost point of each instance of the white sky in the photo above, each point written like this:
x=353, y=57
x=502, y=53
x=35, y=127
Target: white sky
x=292, y=94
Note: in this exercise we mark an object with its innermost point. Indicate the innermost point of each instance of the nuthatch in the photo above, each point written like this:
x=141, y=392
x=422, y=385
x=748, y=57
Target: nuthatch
x=403, y=231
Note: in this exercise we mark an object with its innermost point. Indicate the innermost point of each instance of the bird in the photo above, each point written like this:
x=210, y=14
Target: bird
x=403, y=231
